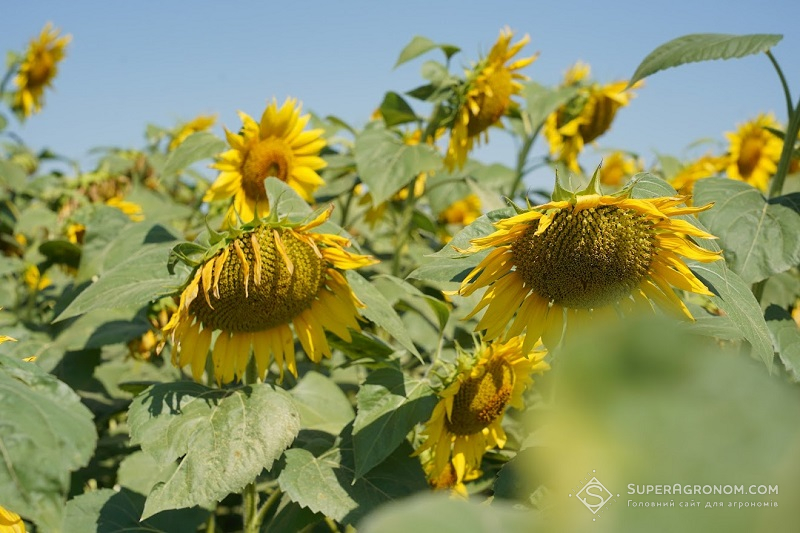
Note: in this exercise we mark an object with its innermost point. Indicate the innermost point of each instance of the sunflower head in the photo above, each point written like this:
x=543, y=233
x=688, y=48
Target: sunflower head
x=586, y=116
x=252, y=285
x=277, y=146
x=490, y=84
x=467, y=420
x=199, y=123
x=618, y=168
x=754, y=151
x=464, y=211
x=581, y=254
x=38, y=69
x=705, y=166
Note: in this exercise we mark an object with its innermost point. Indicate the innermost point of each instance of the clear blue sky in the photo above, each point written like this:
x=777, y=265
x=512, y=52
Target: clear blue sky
x=131, y=63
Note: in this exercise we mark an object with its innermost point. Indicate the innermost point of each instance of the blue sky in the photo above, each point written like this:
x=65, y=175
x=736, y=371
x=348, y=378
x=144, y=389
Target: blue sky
x=130, y=64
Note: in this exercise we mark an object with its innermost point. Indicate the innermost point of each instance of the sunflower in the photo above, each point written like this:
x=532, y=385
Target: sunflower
x=254, y=287
x=199, y=123
x=38, y=69
x=278, y=147
x=132, y=209
x=10, y=522
x=489, y=87
x=705, y=166
x=447, y=479
x=585, y=117
x=618, y=168
x=467, y=420
x=463, y=211
x=582, y=256
x=754, y=151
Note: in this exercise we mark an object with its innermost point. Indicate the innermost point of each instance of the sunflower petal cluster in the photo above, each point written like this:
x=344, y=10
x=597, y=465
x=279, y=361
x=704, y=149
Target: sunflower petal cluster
x=278, y=146
x=38, y=69
x=584, y=117
x=577, y=258
x=467, y=420
x=490, y=85
x=256, y=287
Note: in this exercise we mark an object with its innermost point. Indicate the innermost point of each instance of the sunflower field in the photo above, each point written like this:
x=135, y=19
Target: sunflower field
x=306, y=325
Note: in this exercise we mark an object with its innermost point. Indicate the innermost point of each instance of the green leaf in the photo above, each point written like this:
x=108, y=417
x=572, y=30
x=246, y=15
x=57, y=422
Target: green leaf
x=758, y=238
x=136, y=281
x=541, y=101
x=285, y=200
x=197, y=146
x=363, y=345
x=389, y=404
x=221, y=439
x=734, y=294
x=786, y=337
x=12, y=175
x=326, y=483
x=322, y=404
x=45, y=433
x=102, y=327
x=418, y=46
x=140, y=473
x=443, y=514
x=61, y=252
x=514, y=480
x=109, y=511
x=380, y=311
x=702, y=47
x=386, y=164
x=395, y=110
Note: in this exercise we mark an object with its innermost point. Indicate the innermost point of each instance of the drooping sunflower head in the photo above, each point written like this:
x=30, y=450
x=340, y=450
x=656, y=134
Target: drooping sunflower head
x=705, y=166
x=277, y=146
x=490, y=84
x=38, y=69
x=252, y=287
x=199, y=123
x=586, y=116
x=754, y=151
x=467, y=420
x=579, y=255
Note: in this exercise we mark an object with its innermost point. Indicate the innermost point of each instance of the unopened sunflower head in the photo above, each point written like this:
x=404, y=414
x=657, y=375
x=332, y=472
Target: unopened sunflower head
x=467, y=420
x=277, y=146
x=38, y=69
x=252, y=287
x=581, y=255
x=489, y=87
x=585, y=116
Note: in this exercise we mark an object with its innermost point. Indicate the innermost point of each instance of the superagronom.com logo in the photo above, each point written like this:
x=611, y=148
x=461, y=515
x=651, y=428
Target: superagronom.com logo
x=593, y=494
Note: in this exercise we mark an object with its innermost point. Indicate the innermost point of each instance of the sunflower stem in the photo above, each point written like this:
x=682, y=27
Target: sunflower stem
x=786, y=155
x=274, y=496
x=250, y=508
x=10, y=72
x=786, y=93
x=522, y=161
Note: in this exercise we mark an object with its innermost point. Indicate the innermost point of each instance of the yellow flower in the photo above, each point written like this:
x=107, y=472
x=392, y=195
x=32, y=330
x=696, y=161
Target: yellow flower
x=132, y=209
x=463, y=211
x=447, y=479
x=754, y=151
x=199, y=123
x=38, y=69
x=75, y=233
x=617, y=168
x=10, y=522
x=253, y=288
x=467, y=420
x=705, y=166
x=490, y=85
x=278, y=147
x=34, y=279
x=585, y=117
x=575, y=259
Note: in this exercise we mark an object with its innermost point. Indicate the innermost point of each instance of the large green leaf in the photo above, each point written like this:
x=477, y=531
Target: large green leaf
x=133, y=280
x=758, y=238
x=443, y=514
x=702, y=47
x=786, y=336
x=390, y=404
x=45, y=433
x=380, y=311
x=386, y=164
x=197, y=146
x=734, y=294
x=322, y=404
x=395, y=110
x=419, y=45
x=222, y=438
x=109, y=511
x=326, y=483
x=541, y=101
